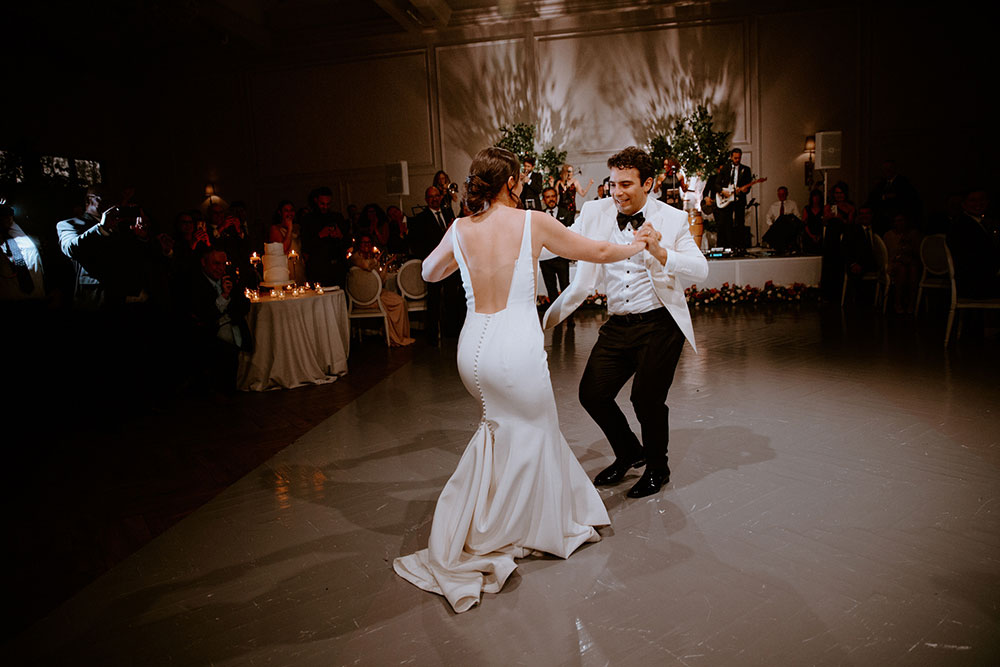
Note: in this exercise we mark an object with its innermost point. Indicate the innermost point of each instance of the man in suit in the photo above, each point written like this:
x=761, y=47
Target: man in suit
x=218, y=309
x=649, y=319
x=974, y=242
x=555, y=271
x=426, y=230
x=729, y=220
x=533, y=187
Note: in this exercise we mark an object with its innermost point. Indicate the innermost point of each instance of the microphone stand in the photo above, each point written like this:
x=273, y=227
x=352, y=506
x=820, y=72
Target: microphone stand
x=756, y=219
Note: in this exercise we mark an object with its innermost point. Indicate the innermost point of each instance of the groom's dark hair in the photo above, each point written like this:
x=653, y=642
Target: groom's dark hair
x=634, y=157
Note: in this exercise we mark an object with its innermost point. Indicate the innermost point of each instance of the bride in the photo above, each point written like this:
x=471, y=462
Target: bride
x=518, y=489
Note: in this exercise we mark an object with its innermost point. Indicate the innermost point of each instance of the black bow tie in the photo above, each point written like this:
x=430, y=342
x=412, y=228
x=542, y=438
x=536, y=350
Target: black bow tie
x=636, y=220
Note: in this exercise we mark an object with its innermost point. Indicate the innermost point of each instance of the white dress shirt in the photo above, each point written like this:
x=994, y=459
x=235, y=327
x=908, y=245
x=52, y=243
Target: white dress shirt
x=629, y=287
x=773, y=213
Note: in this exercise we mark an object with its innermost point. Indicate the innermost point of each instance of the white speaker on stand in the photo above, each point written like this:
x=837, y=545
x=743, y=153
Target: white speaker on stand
x=828, y=151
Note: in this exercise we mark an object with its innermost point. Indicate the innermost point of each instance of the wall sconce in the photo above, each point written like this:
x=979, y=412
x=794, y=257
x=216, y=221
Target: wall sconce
x=810, y=161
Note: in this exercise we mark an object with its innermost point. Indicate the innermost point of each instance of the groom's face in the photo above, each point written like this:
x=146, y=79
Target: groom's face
x=627, y=190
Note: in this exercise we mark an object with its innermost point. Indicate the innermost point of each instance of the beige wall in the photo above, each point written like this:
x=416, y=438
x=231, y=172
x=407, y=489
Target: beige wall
x=593, y=83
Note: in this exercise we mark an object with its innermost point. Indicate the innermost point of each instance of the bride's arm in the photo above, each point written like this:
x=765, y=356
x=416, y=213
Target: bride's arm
x=441, y=262
x=566, y=243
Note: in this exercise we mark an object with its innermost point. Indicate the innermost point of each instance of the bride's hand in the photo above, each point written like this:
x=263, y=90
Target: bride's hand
x=651, y=238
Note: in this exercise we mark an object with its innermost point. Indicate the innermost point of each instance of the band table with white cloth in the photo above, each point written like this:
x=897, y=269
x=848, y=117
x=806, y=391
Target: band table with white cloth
x=299, y=340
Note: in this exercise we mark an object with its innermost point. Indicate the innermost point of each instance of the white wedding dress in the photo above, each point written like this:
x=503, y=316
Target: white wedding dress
x=518, y=487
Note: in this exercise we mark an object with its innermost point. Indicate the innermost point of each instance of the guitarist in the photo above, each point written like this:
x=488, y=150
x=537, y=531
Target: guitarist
x=730, y=219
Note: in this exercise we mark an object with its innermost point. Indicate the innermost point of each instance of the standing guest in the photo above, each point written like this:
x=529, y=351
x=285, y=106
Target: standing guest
x=644, y=336
x=836, y=216
x=21, y=275
x=555, y=271
x=372, y=217
x=366, y=257
x=233, y=238
x=902, y=245
x=568, y=187
x=974, y=241
x=426, y=231
x=326, y=237
x=531, y=196
x=285, y=230
x=449, y=194
x=352, y=215
x=601, y=194
x=98, y=253
x=891, y=195
x=730, y=220
x=391, y=235
x=812, y=224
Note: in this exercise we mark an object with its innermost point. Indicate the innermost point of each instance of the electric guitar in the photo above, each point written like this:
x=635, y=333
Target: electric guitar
x=726, y=196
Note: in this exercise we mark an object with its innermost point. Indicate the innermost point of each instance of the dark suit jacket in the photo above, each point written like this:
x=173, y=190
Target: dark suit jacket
x=743, y=176
x=206, y=316
x=563, y=215
x=532, y=192
x=976, y=257
x=424, y=233
x=857, y=249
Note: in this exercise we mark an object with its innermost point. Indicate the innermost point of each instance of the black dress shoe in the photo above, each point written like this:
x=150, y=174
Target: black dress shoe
x=649, y=483
x=615, y=472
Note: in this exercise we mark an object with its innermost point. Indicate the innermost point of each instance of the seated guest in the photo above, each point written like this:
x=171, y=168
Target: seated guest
x=326, y=238
x=366, y=257
x=812, y=224
x=974, y=242
x=217, y=310
x=902, y=244
x=555, y=271
x=783, y=224
x=21, y=275
x=784, y=206
x=284, y=229
x=858, y=245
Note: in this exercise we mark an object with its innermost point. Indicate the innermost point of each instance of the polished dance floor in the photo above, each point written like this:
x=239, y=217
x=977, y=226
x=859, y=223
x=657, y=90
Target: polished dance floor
x=834, y=500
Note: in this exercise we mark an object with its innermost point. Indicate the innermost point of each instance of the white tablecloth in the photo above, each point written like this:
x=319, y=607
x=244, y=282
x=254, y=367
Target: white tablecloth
x=298, y=340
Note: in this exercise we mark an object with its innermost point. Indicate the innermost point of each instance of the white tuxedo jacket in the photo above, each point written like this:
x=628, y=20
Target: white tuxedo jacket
x=685, y=262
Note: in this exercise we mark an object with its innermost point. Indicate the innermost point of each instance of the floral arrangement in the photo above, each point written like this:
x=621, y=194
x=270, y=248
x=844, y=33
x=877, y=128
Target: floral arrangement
x=734, y=294
x=727, y=295
x=595, y=300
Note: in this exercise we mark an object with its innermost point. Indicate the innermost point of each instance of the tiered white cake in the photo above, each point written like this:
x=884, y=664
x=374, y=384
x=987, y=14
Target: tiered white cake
x=275, y=266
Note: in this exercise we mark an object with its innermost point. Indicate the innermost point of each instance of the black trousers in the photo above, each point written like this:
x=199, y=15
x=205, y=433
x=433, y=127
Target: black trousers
x=553, y=271
x=648, y=347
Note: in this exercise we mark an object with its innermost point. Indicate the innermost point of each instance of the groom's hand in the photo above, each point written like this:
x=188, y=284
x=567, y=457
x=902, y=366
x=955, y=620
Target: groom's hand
x=648, y=235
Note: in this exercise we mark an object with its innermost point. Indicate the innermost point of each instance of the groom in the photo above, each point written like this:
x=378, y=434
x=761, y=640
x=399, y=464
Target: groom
x=648, y=322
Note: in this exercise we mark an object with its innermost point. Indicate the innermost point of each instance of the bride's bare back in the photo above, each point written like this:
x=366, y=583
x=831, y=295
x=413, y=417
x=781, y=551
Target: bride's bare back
x=490, y=243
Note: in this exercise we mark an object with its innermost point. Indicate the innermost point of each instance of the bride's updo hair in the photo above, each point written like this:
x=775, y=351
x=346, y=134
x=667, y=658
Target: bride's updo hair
x=489, y=173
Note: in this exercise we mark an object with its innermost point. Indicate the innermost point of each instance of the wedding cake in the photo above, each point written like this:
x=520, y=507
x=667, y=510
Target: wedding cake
x=275, y=266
